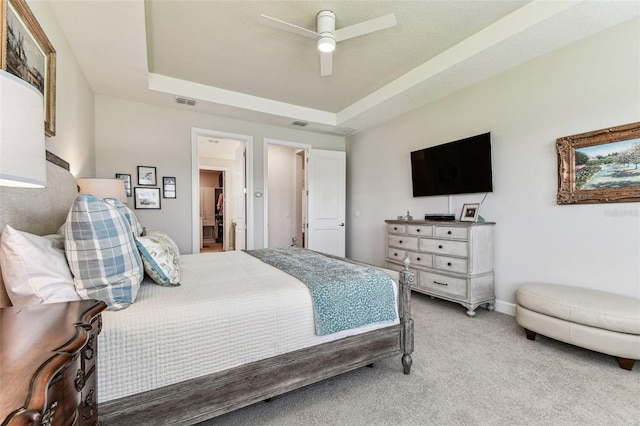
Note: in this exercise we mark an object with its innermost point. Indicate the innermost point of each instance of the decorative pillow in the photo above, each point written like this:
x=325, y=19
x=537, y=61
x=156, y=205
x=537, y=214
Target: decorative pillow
x=34, y=269
x=160, y=257
x=136, y=227
x=102, y=253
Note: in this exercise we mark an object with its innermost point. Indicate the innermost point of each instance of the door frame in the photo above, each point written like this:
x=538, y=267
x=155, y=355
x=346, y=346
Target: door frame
x=265, y=178
x=195, y=183
x=225, y=187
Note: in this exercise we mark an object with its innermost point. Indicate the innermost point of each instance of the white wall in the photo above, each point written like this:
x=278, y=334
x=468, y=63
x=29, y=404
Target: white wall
x=129, y=134
x=590, y=85
x=281, y=195
x=74, y=139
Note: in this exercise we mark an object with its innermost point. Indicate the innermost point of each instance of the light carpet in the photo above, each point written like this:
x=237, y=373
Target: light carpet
x=466, y=371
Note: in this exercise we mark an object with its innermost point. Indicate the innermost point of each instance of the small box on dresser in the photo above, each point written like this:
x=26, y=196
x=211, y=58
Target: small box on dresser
x=451, y=260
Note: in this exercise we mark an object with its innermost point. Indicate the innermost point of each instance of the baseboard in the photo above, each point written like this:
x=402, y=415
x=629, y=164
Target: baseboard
x=506, y=307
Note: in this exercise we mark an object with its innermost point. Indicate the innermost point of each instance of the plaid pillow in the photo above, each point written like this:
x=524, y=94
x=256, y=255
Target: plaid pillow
x=160, y=257
x=136, y=227
x=101, y=252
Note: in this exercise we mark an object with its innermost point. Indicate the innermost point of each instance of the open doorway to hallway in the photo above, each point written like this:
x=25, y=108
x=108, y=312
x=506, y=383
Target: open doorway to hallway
x=220, y=207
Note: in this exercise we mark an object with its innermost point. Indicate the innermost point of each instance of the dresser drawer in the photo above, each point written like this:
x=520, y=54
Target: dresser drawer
x=420, y=259
x=420, y=230
x=452, y=264
x=452, y=232
x=403, y=242
x=442, y=284
x=396, y=254
x=455, y=248
x=394, y=228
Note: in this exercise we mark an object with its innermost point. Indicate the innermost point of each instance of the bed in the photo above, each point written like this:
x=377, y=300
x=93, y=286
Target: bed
x=203, y=357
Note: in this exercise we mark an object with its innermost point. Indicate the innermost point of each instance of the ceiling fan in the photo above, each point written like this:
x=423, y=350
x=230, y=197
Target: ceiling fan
x=327, y=36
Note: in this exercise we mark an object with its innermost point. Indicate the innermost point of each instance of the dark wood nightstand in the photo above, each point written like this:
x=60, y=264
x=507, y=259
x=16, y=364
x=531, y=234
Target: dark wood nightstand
x=48, y=363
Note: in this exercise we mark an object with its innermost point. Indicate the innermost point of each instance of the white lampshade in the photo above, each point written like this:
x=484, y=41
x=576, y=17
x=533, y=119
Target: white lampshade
x=22, y=150
x=103, y=188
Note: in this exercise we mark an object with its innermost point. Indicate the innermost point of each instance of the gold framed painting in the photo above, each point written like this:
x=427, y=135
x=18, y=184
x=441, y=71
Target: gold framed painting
x=602, y=166
x=27, y=53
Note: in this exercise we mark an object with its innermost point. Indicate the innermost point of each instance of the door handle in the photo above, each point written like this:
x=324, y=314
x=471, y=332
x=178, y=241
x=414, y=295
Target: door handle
x=342, y=224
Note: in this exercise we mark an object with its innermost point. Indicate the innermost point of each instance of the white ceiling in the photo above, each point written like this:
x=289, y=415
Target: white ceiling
x=216, y=52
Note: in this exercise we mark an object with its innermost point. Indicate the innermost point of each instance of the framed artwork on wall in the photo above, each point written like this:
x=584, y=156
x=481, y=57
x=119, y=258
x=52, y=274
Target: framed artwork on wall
x=27, y=53
x=127, y=182
x=602, y=166
x=147, y=176
x=470, y=212
x=169, y=187
x=146, y=198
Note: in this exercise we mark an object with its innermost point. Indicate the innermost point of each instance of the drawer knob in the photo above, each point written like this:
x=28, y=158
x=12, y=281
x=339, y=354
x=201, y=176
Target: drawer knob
x=395, y=228
x=400, y=241
x=418, y=259
x=449, y=232
x=440, y=246
x=448, y=263
x=439, y=283
x=418, y=230
x=395, y=254
x=79, y=381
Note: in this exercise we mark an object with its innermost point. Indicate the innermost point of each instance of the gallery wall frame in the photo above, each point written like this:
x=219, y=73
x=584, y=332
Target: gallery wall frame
x=20, y=33
x=147, y=176
x=601, y=166
x=127, y=182
x=146, y=198
x=168, y=187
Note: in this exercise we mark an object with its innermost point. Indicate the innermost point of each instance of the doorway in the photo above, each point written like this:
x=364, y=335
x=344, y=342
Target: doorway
x=222, y=214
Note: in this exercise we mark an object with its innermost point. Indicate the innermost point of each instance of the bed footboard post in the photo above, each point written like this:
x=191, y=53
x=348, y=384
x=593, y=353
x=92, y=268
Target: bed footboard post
x=406, y=340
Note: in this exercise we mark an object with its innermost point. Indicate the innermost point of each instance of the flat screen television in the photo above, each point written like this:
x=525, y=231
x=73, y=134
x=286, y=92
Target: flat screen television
x=459, y=167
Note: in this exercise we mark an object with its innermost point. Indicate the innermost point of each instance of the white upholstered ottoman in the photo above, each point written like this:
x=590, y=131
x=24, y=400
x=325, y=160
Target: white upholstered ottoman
x=596, y=320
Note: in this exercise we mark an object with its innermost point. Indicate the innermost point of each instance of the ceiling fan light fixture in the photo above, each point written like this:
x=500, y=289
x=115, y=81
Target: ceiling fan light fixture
x=326, y=44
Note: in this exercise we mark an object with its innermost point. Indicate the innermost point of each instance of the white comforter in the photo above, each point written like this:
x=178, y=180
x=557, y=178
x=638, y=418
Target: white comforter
x=231, y=309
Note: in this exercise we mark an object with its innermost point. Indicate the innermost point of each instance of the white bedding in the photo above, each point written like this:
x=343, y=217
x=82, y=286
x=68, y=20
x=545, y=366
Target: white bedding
x=231, y=309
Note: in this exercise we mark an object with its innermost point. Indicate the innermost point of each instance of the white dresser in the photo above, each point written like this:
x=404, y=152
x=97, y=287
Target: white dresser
x=451, y=260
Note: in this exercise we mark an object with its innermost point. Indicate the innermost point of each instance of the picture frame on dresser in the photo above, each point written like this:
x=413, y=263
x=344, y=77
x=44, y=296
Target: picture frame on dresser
x=470, y=212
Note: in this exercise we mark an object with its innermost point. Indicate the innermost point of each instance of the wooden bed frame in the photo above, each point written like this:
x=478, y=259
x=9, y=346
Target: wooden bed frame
x=42, y=211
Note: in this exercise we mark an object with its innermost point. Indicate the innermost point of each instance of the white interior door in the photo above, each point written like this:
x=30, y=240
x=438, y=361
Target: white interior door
x=240, y=192
x=327, y=199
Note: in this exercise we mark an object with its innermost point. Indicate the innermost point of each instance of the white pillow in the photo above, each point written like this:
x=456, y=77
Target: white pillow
x=34, y=269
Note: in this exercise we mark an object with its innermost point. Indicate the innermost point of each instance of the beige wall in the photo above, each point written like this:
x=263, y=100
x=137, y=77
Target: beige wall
x=129, y=134
x=74, y=139
x=590, y=85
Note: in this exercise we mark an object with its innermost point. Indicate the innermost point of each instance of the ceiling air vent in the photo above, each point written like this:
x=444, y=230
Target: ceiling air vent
x=300, y=123
x=185, y=101
x=344, y=130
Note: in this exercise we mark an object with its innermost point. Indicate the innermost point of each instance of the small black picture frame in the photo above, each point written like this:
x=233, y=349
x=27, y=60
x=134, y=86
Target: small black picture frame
x=146, y=198
x=147, y=176
x=127, y=182
x=168, y=187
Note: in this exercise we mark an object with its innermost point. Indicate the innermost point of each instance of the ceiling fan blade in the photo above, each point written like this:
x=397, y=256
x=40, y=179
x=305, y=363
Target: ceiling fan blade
x=268, y=20
x=365, y=27
x=326, y=63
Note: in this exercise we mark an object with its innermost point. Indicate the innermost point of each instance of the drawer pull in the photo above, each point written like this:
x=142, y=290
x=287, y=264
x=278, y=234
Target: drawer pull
x=47, y=416
x=395, y=254
x=79, y=382
x=395, y=228
x=439, y=283
x=449, y=232
x=400, y=241
x=448, y=263
x=440, y=246
x=418, y=230
x=87, y=411
x=418, y=259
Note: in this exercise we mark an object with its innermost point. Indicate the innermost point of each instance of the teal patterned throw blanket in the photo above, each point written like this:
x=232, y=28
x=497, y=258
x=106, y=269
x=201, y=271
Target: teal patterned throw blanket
x=344, y=295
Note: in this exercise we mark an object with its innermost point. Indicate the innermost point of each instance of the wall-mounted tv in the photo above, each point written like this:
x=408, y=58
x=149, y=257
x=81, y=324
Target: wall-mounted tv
x=459, y=167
